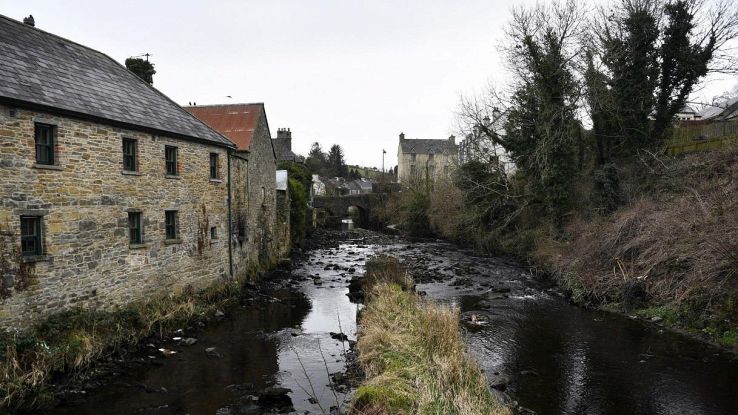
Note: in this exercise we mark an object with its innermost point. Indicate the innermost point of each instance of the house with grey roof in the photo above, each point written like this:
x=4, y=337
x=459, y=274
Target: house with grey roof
x=422, y=158
x=111, y=192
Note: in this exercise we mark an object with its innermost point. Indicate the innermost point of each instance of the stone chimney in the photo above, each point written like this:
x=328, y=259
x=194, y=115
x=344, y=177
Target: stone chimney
x=284, y=136
x=402, y=136
x=29, y=20
x=452, y=139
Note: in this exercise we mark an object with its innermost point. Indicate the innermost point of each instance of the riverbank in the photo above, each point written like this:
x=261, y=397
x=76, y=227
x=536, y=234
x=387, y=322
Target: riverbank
x=669, y=256
x=413, y=355
x=53, y=359
x=283, y=345
x=654, y=238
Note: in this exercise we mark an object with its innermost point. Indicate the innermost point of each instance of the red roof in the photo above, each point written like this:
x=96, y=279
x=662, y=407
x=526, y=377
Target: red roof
x=235, y=121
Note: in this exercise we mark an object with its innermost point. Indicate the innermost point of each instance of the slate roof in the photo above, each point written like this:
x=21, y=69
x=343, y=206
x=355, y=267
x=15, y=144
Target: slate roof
x=49, y=73
x=425, y=146
x=235, y=121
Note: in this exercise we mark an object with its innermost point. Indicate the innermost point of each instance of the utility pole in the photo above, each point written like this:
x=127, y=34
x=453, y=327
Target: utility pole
x=383, y=153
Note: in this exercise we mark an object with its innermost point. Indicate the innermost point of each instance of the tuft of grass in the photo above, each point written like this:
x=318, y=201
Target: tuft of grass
x=69, y=341
x=386, y=269
x=415, y=359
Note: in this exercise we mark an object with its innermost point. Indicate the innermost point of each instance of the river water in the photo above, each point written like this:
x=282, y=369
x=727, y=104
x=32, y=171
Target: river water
x=537, y=350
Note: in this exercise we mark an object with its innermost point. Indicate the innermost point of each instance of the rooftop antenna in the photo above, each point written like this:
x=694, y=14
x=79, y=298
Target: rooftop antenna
x=142, y=55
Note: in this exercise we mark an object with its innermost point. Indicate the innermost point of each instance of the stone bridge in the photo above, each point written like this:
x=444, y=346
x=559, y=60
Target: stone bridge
x=363, y=209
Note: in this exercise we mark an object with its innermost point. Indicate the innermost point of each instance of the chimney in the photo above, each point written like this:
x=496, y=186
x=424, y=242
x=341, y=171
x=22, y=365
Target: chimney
x=285, y=135
x=402, y=136
x=452, y=139
x=29, y=20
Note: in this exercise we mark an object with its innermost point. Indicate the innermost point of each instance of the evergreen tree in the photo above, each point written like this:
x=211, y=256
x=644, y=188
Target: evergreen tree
x=317, y=160
x=541, y=126
x=336, y=164
x=142, y=68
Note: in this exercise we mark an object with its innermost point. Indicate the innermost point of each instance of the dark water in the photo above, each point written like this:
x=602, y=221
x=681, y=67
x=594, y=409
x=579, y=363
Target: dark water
x=282, y=339
x=554, y=358
x=551, y=357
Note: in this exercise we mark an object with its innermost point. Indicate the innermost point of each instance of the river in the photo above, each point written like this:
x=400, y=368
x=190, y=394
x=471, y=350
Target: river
x=275, y=351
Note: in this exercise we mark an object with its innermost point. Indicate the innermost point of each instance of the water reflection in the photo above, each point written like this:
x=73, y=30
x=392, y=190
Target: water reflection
x=193, y=382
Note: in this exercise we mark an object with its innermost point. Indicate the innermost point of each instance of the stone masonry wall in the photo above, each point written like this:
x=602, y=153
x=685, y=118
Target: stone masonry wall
x=261, y=190
x=242, y=262
x=85, y=200
x=443, y=166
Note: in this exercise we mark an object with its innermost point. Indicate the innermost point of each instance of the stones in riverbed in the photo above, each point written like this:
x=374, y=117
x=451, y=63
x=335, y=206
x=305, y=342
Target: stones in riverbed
x=462, y=282
x=189, y=341
x=275, y=398
x=212, y=353
x=499, y=382
x=339, y=336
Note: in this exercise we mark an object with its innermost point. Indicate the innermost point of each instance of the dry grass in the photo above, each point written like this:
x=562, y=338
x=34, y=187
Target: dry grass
x=415, y=360
x=678, y=242
x=386, y=269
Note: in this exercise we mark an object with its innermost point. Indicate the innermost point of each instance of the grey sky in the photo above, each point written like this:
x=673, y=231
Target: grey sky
x=346, y=72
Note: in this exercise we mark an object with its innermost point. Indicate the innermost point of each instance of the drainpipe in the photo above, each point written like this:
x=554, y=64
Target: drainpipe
x=230, y=223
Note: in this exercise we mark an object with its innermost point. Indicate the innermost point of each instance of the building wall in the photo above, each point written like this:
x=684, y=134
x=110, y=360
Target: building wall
x=261, y=194
x=282, y=227
x=241, y=249
x=441, y=166
x=85, y=203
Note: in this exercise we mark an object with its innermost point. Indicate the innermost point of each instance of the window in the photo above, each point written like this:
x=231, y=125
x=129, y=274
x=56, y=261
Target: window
x=213, y=165
x=263, y=195
x=213, y=232
x=412, y=170
x=44, y=136
x=170, y=224
x=31, y=243
x=170, y=155
x=412, y=157
x=129, y=154
x=445, y=171
x=430, y=158
x=135, y=234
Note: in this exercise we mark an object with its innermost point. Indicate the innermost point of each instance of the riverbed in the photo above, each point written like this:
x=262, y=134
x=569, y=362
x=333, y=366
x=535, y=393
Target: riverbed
x=277, y=351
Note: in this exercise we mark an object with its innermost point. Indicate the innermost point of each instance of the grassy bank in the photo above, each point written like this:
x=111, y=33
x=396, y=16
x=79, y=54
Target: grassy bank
x=68, y=342
x=414, y=358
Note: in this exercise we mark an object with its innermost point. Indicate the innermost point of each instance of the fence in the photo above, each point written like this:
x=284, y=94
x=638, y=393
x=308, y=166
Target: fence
x=693, y=136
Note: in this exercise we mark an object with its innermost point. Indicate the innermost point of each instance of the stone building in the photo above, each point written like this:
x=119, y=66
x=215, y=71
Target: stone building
x=255, y=215
x=283, y=146
x=111, y=192
x=420, y=158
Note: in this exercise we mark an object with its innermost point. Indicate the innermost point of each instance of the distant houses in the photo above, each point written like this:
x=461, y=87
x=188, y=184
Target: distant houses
x=339, y=186
x=111, y=192
x=424, y=158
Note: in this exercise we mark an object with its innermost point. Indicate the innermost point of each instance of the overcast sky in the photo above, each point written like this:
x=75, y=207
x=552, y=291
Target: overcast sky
x=346, y=72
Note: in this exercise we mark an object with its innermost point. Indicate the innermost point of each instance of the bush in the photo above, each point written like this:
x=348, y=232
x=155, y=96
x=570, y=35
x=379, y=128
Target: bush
x=416, y=214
